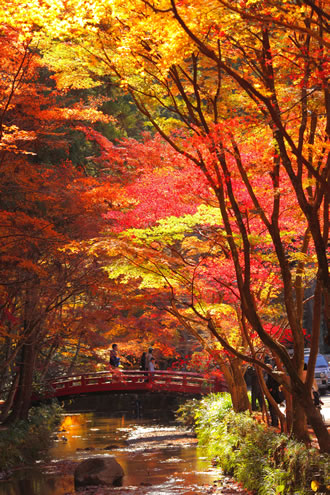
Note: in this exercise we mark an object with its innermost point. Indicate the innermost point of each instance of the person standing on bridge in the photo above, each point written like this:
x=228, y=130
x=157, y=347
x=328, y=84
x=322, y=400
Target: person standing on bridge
x=114, y=356
x=152, y=365
x=143, y=361
x=148, y=358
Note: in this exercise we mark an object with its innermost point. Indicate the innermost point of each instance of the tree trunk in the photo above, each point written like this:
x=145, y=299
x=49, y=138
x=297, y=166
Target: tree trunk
x=75, y=357
x=22, y=399
x=48, y=360
x=299, y=423
x=289, y=410
x=315, y=420
x=10, y=399
x=5, y=371
x=237, y=385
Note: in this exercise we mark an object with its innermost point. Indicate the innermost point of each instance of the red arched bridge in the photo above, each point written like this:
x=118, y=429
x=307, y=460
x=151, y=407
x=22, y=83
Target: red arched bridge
x=136, y=381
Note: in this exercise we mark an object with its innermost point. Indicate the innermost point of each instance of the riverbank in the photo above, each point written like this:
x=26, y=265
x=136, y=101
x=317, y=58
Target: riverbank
x=264, y=460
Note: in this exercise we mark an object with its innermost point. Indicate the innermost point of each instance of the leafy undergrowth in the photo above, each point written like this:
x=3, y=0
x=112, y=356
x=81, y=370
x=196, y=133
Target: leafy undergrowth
x=263, y=460
x=24, y=442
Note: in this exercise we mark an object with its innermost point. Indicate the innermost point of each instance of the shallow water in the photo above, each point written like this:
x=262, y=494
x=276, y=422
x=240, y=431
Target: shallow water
x=170, y=463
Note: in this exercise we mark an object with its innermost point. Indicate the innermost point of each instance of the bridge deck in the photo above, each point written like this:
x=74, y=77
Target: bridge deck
x=135, y=381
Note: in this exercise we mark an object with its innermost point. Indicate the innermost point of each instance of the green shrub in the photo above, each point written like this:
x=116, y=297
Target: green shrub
x=264, y=461
x=213, y=406
x=26, y=441
x=185, y=414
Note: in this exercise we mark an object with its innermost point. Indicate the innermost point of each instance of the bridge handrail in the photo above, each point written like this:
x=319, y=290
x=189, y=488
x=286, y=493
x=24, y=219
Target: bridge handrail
x=118, y=373
x=134, y=380
x=128, y=371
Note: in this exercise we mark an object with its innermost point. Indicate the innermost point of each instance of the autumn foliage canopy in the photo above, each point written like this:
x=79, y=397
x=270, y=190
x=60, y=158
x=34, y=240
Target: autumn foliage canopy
x=209, y=219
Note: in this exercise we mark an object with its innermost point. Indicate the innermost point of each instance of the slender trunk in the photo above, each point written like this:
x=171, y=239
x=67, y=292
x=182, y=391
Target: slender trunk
x=289, y=410
x=314, y=419
x=10, y=399
x=4, y=373
x=237, y=386
x=22, y=399
x=48, y=360
x=299, y=423
x=75, y=357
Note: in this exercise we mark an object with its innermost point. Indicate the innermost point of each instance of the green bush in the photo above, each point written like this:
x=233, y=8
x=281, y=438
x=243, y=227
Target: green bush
x=213, y=406
x=264, y=461
x=27, y=441
x=186, y=413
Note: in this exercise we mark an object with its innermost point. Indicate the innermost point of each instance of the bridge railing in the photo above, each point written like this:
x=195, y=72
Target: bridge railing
x=135, y=380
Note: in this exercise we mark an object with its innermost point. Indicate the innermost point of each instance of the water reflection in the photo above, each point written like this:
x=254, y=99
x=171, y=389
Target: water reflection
x=168, y=466
x=34, y=482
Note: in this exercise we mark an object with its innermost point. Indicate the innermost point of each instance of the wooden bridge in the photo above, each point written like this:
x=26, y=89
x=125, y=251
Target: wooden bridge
x=136, y=381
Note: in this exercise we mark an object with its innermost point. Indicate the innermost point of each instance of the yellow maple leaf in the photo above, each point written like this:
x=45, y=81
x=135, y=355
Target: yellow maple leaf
x=315, y=485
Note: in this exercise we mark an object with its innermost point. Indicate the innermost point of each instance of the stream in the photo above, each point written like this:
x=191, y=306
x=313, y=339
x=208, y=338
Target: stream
x=157, y=459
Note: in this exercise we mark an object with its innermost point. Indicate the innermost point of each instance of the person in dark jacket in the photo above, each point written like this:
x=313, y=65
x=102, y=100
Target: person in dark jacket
x=256, y=392
x=114, y=356
x=143, y=361
x=274, y=389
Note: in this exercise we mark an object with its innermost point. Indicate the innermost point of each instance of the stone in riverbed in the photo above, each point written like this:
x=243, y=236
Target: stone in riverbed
x=98, y=471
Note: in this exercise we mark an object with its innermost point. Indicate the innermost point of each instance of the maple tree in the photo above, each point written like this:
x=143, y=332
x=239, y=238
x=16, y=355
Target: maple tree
x=49, y=295
x=44, y=287
x=58, y=309
x=188, y=253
